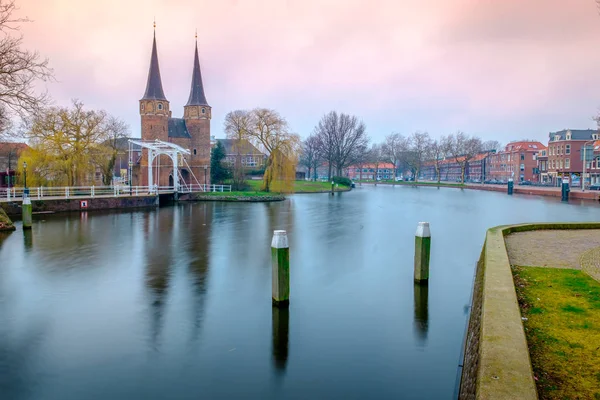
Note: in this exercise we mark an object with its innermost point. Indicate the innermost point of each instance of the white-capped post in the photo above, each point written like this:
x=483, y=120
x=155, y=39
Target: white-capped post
x=27, y=211
x=280, y=261
x=422, y=250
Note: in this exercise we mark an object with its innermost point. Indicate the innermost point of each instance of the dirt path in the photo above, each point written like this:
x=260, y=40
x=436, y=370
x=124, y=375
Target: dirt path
x=551, y=248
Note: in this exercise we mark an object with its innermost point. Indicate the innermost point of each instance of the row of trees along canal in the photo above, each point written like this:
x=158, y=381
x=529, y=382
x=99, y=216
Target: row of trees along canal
x=340, y=140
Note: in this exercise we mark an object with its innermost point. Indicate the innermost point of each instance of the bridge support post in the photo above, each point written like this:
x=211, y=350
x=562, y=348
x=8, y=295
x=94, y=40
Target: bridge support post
x=27, y=213
x=422, y=251
x=280, y=262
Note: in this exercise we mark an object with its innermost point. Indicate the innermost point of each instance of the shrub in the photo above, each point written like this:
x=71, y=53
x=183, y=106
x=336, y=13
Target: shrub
x=342, y=180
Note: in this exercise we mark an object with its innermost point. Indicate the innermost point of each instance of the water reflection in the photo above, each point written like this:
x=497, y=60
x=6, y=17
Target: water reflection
x=197, y=246
x=421, y=322
x=281, y=324
x=158, y=228
x=28, y=239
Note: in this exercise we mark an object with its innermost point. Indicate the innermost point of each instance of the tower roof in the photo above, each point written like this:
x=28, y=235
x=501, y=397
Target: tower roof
x=197, y=97
x=154, y=89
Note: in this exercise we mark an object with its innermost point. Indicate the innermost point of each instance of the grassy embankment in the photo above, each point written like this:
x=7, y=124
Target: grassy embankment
x=561, y=310
x=5, y=222
x=255, y=192
x=423, y=183
x=303, y=186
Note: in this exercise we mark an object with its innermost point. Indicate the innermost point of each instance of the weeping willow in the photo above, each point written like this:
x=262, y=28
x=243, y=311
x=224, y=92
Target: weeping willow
x=269, y=131
x=280, y=173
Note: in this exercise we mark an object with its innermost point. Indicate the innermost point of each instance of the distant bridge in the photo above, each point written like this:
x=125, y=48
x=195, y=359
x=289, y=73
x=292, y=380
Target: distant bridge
x=54, y=193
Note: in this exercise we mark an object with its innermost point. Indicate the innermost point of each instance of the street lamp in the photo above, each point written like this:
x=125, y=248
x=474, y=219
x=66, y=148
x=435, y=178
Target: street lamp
x=25, y=190
x=205, y=168
x=130, y=178
x=585, y=163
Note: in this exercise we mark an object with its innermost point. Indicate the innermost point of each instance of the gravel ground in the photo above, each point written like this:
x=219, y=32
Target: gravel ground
x=551, y=248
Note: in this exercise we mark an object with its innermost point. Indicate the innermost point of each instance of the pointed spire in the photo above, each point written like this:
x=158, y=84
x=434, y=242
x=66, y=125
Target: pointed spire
x=197, y=97
x=154, y=90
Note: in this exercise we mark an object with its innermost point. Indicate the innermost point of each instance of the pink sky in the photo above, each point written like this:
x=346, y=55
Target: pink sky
x=501, y=69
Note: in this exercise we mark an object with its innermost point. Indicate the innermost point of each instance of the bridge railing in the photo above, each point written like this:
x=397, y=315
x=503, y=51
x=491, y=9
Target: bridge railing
x=42, y=192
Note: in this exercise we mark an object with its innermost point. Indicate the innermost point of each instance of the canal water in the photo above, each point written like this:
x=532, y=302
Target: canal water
x=175, y=303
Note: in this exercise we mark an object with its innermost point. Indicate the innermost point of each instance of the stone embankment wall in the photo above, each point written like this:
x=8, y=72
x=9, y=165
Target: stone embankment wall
x=225, y=197
x=496, y=360
x=91, y=204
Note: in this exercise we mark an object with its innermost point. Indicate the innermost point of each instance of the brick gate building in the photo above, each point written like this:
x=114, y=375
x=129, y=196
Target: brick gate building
x=191, y=132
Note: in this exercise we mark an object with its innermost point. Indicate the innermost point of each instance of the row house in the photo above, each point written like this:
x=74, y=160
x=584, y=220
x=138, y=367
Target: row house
x=250, y=156
x=542, y=160
x=565, y=156
x=518, y=161
x=382, y=171
x=450, y=169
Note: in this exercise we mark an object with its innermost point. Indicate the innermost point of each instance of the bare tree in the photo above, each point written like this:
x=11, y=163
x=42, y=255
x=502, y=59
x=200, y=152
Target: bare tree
x=463, y=149
x=350, y=140
x=343, y=138
x=236, y=126
x=115, y=131
x=437, y=152
x=375, y=157
x=491, y=145
x=268, y=130
x=419, y=143
x=20, y=70
x=325, y=131
x=394, y=148
x=310, y=155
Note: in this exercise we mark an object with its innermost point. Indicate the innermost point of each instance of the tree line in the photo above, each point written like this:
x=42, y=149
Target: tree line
x=340, y=140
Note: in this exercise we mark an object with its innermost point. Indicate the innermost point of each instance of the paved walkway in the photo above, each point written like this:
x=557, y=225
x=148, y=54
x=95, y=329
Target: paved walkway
x=551, y=248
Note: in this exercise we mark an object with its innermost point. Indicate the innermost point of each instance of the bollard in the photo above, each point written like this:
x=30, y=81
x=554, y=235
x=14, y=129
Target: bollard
x=280, y=261
x=422, y=249
x=511, y=184
x=332, y=188
x=565, y=190
x=26, y=208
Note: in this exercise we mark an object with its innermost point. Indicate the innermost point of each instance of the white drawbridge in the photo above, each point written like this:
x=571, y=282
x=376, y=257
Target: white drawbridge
x=176, y=153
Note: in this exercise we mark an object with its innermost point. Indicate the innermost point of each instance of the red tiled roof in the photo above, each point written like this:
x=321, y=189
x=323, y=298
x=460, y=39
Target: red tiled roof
x=6, y=146
x=524, y=145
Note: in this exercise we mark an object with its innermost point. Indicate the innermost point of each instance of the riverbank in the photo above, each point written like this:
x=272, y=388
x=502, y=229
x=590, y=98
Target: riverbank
x=5, y=222
x=500, y=345
x=575, y=194
x=233, y=196
x=13, y=208
x=538, y=191
x=408, y=183
x=301, y=187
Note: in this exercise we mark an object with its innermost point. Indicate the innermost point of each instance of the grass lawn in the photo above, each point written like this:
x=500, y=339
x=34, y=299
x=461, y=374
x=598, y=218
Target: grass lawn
x=301, y=186
x=562, y=307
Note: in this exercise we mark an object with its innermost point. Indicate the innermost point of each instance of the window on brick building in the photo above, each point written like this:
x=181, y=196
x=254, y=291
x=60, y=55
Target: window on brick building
x=142, y=106
x=567, y=163
x=194, y=151
x=203, y=110
x=160, y=106
x=568, y=149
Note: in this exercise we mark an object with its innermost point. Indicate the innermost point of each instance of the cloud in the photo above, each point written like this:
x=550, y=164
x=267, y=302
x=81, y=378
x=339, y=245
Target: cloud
x=504, y=69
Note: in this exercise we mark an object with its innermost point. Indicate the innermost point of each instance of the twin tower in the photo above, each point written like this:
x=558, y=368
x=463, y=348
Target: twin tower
x=190, y=132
